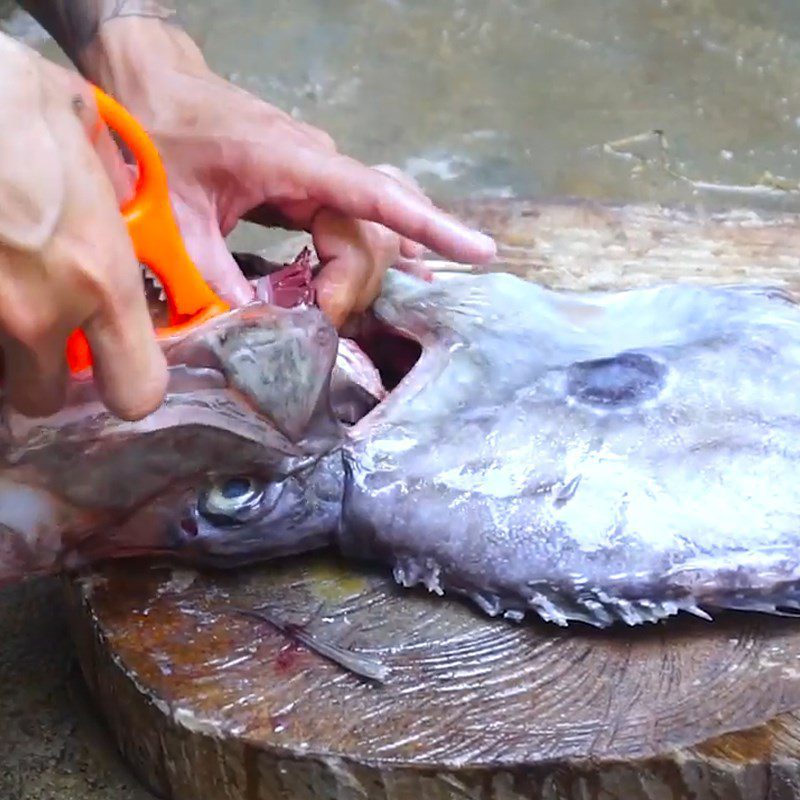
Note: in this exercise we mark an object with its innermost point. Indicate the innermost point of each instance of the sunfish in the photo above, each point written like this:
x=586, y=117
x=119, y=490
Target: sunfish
x=597, y=457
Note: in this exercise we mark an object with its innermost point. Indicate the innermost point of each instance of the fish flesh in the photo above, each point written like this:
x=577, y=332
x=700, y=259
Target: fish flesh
x=599, y=457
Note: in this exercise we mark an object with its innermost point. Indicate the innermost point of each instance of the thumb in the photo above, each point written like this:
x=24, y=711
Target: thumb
x=206, y=246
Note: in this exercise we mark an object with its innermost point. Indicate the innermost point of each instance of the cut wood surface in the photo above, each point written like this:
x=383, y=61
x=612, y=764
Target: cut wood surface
x=209, y=703
x=589, y=246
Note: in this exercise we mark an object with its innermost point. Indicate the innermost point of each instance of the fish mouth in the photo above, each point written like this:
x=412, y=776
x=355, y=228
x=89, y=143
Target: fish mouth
x=392, y=352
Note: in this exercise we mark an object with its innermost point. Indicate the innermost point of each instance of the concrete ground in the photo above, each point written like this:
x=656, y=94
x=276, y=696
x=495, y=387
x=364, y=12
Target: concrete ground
x=548, y=97
x=51, y=745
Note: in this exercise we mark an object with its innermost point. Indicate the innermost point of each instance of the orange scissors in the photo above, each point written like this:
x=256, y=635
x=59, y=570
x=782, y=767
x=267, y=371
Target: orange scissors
x=156, y=238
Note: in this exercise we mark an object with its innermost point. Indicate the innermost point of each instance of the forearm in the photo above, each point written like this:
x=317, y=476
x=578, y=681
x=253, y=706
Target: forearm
x=103, y=36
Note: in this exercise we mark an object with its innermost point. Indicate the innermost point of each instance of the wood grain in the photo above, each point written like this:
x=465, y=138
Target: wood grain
x=209, y=704
x=589, y=246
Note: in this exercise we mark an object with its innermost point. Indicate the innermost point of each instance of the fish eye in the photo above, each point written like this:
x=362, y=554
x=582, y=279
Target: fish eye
x=225, y=501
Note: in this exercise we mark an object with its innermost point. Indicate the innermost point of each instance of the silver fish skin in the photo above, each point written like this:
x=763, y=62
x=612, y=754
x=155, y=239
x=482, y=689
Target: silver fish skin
x=594, y=457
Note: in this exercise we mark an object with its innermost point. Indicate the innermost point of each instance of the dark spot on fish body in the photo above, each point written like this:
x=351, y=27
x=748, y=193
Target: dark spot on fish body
x=624, y=380
x=324, y=337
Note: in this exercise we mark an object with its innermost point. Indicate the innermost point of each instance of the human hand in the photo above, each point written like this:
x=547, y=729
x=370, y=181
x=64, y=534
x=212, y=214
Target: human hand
x=231, y=156
x=66, y=260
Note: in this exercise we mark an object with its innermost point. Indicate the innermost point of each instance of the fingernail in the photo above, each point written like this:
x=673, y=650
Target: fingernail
x=332, y=303
x=414, y=267
x=487, y=244
x=483, y=247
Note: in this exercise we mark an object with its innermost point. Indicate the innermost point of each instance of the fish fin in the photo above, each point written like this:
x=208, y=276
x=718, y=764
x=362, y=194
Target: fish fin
x=282, y=365
x=596, y=608
x=354, y=662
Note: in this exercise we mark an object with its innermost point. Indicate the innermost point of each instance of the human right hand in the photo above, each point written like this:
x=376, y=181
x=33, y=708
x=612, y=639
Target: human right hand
x=230, y=156
x=66, y=260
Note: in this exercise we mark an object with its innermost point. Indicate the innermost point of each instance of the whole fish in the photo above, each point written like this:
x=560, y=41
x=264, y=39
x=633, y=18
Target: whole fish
x=602, y=457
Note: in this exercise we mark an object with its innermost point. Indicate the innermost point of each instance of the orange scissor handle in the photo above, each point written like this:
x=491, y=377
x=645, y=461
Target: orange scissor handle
x=157, y=240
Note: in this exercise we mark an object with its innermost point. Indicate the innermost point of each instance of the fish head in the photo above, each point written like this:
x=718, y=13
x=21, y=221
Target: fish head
x=239, y=462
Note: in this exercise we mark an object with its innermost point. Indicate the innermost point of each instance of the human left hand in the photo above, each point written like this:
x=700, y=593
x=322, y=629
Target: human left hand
x=231, y=156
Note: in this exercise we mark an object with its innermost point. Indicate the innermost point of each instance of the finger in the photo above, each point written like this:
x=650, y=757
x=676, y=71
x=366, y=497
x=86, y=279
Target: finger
x=348, y=261
x=414, y=267
x=404, y=178
x=129, y=367
x=341, y=183
x=355, y=255
x=207, y=249
x=36, y=379
x=102, y=288
x=409, y=249
x=340, y=283
x=299, y=214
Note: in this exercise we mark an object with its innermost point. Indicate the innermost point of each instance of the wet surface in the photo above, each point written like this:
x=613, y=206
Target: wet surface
x=675, y=100
x=229, y=652
x=519, y=98
x=534, y=97
x=529, y=98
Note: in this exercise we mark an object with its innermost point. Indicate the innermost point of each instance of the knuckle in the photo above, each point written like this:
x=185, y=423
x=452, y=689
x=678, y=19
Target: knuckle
x=391, y=170
x=117, y=297
x=284, y=127
x=104, y=286
x=323, y=139
x=405, y=180
x=33, y=328
x=383, y=202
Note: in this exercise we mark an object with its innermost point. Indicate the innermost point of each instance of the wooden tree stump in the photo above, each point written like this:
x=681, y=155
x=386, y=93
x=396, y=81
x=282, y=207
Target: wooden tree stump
x=209, y=703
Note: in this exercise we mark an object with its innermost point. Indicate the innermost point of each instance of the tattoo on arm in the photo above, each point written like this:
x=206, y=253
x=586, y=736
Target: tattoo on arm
x=75, y=23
